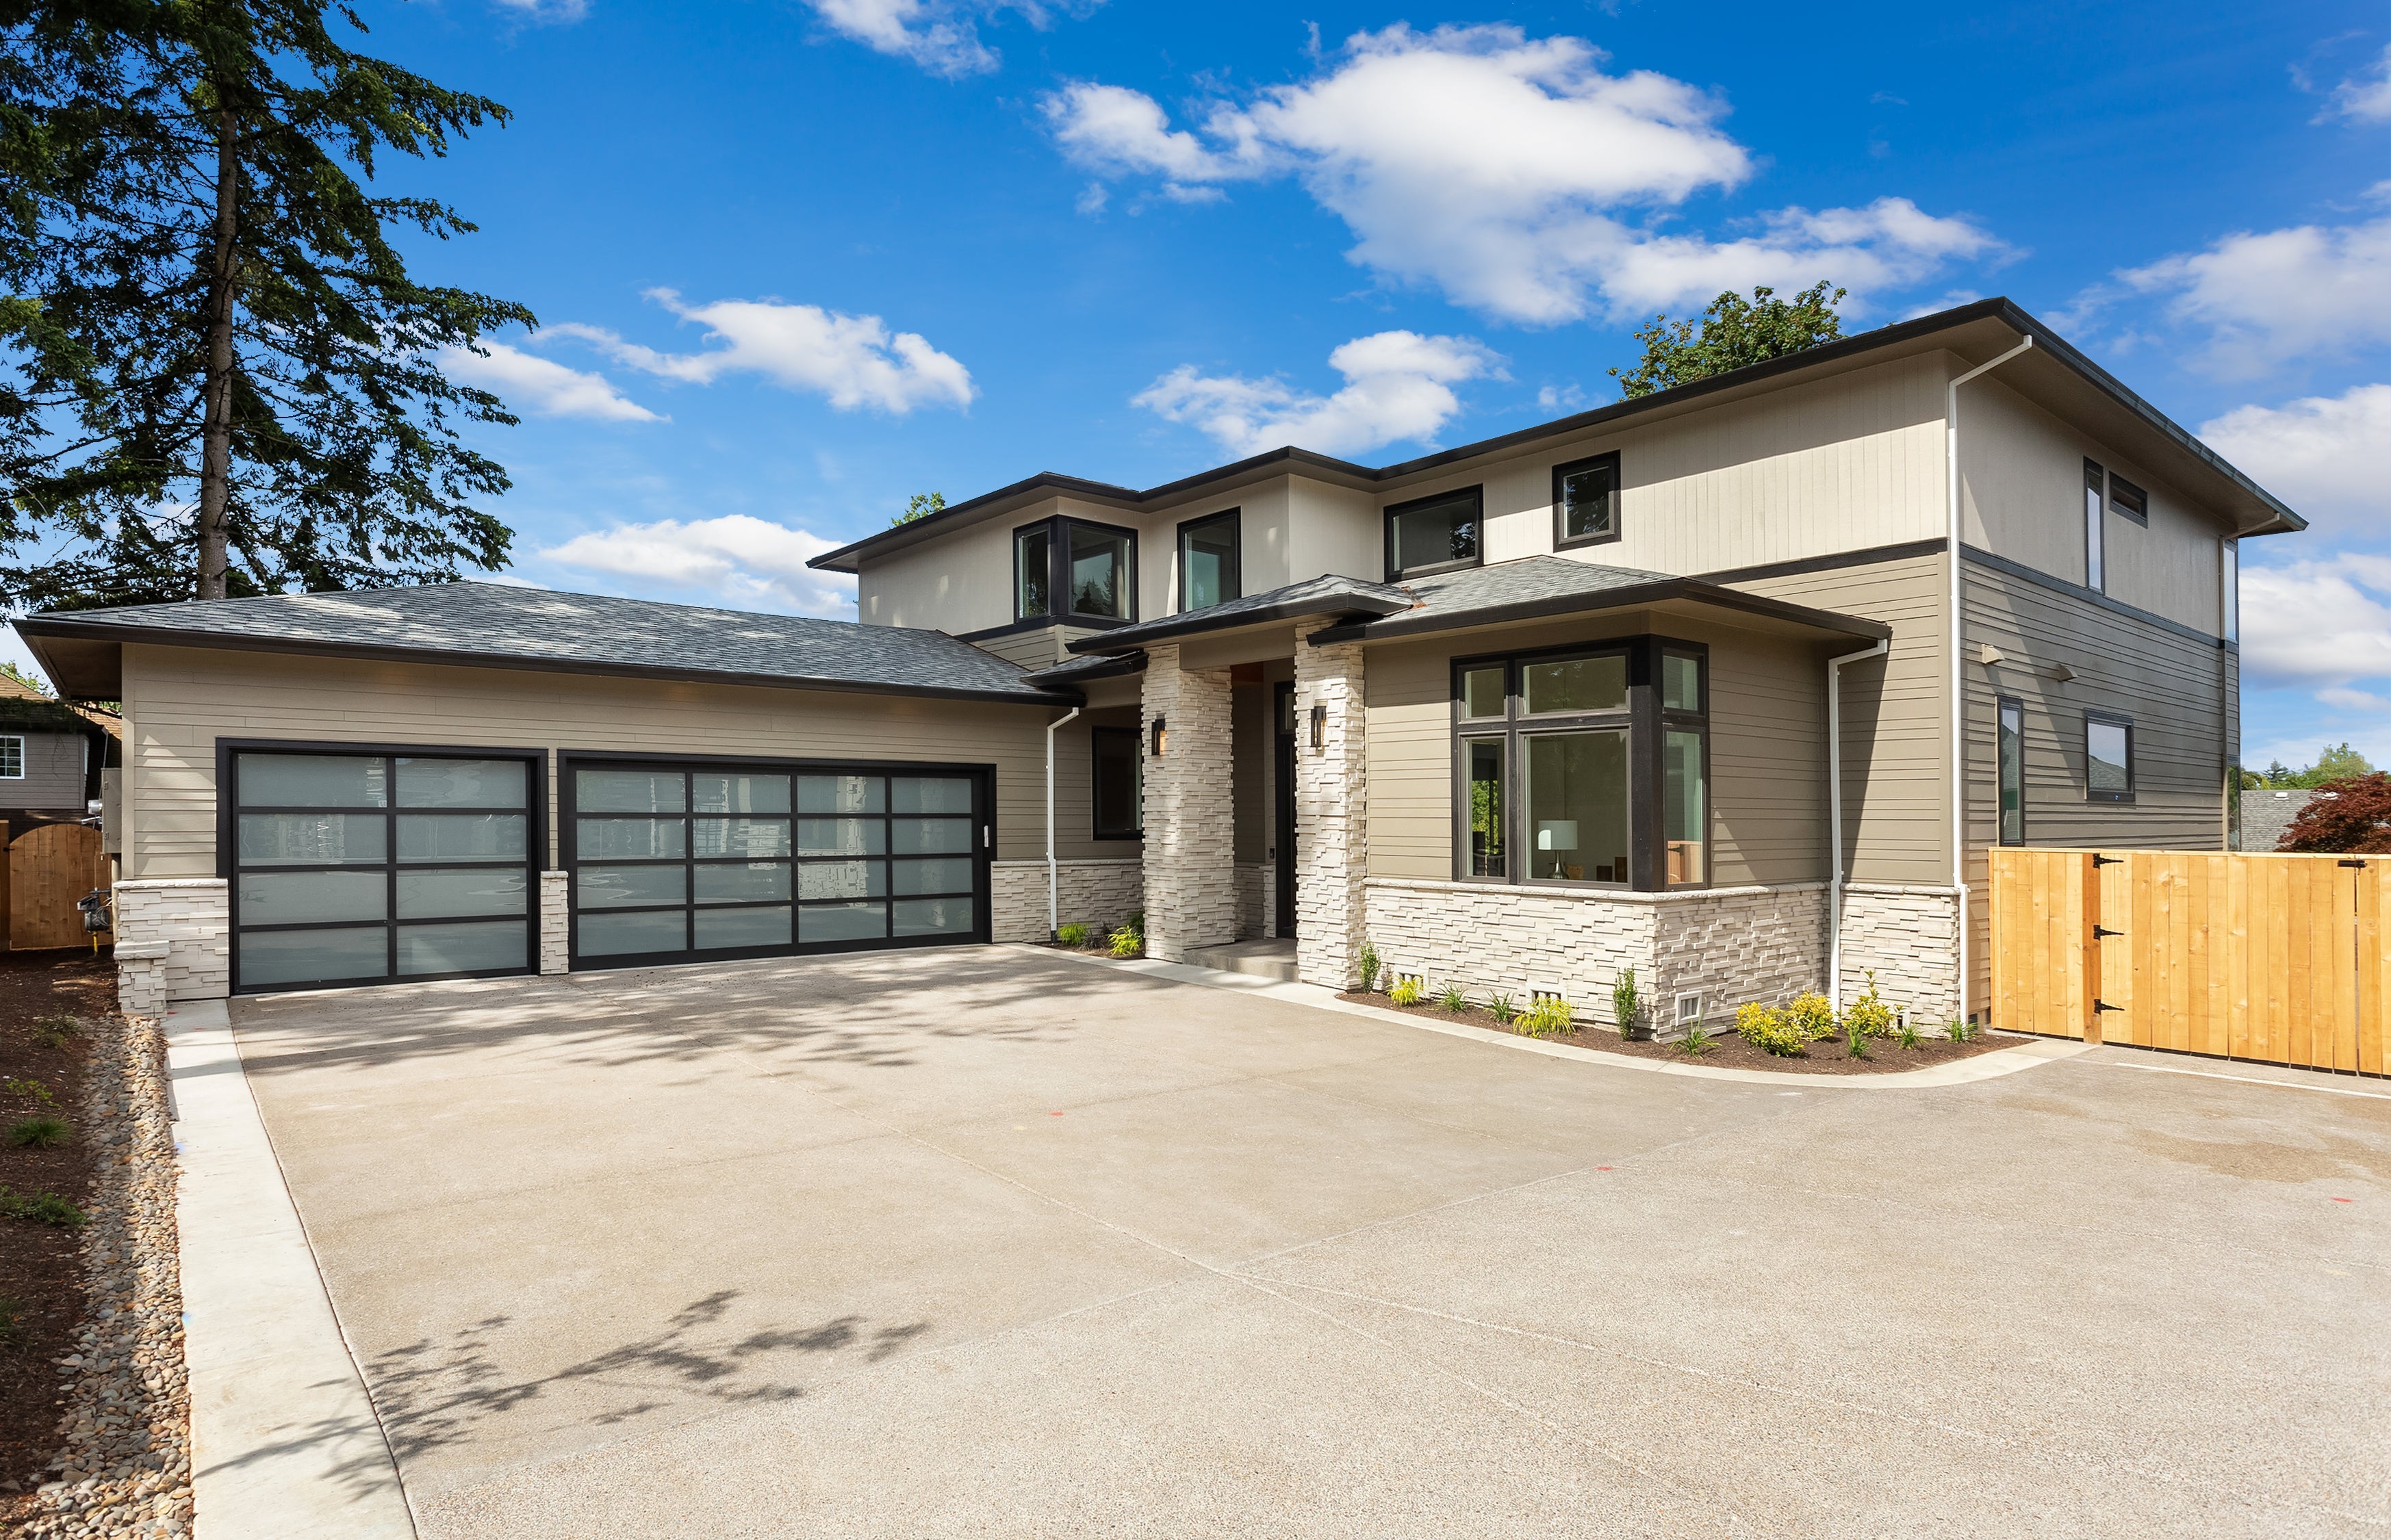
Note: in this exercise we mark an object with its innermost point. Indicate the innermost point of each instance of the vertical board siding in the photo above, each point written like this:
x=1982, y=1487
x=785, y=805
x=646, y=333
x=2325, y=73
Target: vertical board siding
x=2275, y=959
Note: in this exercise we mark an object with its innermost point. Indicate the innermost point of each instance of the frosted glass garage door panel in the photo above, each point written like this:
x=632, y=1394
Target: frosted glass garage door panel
x=739, y=794
x=717, y=928
x=301, y=898
x=605, y=935
x=313, y=956
x=843, y=879
x=858, y=922
x=842, y=794
x=738, y=836
x=616, y=791
x=930, y=793
x=463, y=836
x=934, y=916
x=746, y=882
x=312, y=781
x=463, y=783
x=632, y=838
x=928, y=836
x=934, y=874
x=478, y=947
x=842, y=836
x=435, y=895
x=629, y=886
x=313, y=839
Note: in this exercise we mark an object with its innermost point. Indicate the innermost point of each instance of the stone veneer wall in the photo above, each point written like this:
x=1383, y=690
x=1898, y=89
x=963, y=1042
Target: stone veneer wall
x=1257, y=901
x=1332, y=792
x=193, y=917
x=555, y=922
x=1191, y=889
x=1729, y=945
x=1910, y=936
x=1102, y=893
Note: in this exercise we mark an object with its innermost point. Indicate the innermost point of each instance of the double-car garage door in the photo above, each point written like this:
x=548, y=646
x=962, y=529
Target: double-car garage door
x=355, y=868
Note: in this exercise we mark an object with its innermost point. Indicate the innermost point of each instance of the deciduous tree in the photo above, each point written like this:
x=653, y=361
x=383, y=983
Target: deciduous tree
x=1732, y=333
x=2351, y=816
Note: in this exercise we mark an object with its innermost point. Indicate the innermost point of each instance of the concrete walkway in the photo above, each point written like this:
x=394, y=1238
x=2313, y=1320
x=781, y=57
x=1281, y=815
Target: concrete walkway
x=999, y=1243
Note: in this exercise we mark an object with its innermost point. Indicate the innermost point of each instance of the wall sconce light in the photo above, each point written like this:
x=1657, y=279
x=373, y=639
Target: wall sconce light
x=1161, y=737
x=1320, y=726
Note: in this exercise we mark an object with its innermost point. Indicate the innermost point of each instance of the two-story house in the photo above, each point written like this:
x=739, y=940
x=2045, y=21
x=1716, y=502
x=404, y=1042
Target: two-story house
x=1735, y=684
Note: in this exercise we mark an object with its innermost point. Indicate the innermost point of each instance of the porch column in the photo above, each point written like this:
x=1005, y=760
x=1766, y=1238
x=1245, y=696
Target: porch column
x=1191, y=874
x=1332, y=846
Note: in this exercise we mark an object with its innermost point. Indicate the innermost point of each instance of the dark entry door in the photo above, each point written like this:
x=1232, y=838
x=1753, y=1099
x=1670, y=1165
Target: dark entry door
x=1282, y=717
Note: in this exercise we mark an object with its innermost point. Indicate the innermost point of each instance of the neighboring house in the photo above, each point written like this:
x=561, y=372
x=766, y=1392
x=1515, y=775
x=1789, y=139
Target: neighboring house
x=2267, y=813
x=51, y=756
x=1519, y=714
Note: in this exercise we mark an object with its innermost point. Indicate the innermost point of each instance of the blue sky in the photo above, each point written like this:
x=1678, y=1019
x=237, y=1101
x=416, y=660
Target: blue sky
x=797, y=262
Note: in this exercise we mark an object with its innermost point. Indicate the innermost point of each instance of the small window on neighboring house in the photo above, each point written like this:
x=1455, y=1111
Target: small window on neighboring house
x=2095, y=500
x=12, y=758
x=1119, y=784
x=1208, y=561
x=2108, y=758
x=2130, y=500
x=1433, y=535
x=2010, y=757
x=2230, y=594
x=1585, y=502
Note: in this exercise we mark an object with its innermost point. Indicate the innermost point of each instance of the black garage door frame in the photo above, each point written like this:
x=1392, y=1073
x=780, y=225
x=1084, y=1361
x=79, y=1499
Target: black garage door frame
x=229, y=810
x=983, y=779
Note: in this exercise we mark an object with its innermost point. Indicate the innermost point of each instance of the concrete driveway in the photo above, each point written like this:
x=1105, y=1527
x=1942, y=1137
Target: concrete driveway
x=987, y=1242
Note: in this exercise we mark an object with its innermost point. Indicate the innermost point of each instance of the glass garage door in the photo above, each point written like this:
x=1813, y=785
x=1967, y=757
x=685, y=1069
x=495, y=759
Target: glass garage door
x=369, y=868
x=673, y=862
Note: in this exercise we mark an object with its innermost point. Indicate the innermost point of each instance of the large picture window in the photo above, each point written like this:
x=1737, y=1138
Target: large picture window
x=1119, y=782
x=1586, y=766
x=1068, y=570
x=1437, y=534
x=1585, y=502
x=1208, y=561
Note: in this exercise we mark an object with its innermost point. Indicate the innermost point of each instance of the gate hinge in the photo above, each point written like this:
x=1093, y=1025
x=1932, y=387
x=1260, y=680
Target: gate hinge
x=2108, y=861
x=2099, y=931
x=2100, y=1005
x=2361, y=865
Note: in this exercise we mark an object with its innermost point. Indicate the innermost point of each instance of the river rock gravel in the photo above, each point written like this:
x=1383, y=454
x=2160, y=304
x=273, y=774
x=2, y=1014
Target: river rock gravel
x=125, y=1463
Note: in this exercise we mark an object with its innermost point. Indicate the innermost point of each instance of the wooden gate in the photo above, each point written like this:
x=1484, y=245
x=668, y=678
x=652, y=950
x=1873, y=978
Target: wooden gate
x=2282, y=959
x=49, y=868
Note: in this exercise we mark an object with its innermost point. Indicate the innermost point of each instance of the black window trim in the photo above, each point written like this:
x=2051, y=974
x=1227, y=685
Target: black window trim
x=1562, y=538
x=1097, y=735
x=2111, y=718
x=2110, y=501
x=1645, y=723
x=1392, y=511
x=2002, y=703
x=1058, y=556
x=2096, y=541
x=1234, y=518
x=229, y=811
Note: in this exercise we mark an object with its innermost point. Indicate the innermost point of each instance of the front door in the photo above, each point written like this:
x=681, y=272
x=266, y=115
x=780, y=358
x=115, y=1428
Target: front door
x=1282, y=717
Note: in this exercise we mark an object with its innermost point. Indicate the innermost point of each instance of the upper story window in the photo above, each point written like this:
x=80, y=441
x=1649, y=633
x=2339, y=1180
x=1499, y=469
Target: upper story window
x=2095, y=500
x=1585, y=502
x=1435, y=534
x=2131, y=500
x=2229, y=592
x=1208, y=561
x=1069, y=570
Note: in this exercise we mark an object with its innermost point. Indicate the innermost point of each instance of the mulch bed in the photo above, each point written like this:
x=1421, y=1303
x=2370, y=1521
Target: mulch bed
x=1728, y=1052
x=41, y=1279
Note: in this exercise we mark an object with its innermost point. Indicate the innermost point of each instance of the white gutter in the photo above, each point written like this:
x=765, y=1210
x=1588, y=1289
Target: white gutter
x=1052, y=919
x=1958, y=702
x=1835, y=813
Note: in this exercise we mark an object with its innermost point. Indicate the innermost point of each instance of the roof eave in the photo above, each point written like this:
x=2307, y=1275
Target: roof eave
x=1292, y=609
x=1631, y=597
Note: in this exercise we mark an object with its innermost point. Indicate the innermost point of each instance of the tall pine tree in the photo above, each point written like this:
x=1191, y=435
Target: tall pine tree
x=216, y=376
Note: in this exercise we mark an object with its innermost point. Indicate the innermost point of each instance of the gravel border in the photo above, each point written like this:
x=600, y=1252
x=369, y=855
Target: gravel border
x=125, y=1469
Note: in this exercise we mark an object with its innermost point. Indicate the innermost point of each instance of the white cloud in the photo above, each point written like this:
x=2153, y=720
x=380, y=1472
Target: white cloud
x=2366, y=95
x=854, y=360
x=1501, y=169
x=1398, y=386
x=942, y=37
x=547, y=10
x=542, y=386
x=2266, y=297
x=743, y=561
x=2317, y=625
x=2328, y=456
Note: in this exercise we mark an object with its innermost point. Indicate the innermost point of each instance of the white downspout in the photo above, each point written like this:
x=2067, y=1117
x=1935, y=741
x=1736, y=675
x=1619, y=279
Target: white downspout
x=1835, y=813
x=1958, y=701
x=1054, y=920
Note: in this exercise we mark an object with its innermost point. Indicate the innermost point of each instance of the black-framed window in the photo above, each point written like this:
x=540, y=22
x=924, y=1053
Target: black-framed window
x=1585, y=502
x=1119, y=782
x=352, y=867
x=2128, y=500
x=1583, y=766
x=2228, y=595
x=2096, y=500
x=2107, y=757
x=1075, y=571
x=1437, y=534
x=1208, y=561
x=2008, y=756
x=12, y=757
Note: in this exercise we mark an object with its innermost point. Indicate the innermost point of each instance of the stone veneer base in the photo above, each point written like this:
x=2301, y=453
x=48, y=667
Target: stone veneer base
x=192, y=918
x=1102, y=893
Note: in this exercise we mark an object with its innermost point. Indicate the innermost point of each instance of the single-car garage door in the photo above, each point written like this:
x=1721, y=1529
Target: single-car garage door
x=371, y=868
x=677, y=860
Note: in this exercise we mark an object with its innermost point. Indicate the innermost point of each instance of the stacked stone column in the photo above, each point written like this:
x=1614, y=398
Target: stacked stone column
x=1191, y=883
x=1331, y=804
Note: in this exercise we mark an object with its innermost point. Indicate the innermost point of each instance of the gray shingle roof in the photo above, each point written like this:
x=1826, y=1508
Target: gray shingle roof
x=490, y=624
x=1530, y=587
x=1330, y=595
x=1102, y=666
x=2267, y=812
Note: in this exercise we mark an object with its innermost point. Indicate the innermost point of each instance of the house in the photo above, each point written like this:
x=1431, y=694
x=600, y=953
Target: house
x=2267, y=815
x=1735, y=684
x=51, y=757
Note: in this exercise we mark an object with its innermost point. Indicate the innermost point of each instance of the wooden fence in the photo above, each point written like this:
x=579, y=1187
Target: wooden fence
x=46, y=869
x=2282, y=959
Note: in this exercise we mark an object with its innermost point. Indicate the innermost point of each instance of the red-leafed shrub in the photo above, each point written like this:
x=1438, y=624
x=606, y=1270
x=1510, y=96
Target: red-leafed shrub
x=2350, y=817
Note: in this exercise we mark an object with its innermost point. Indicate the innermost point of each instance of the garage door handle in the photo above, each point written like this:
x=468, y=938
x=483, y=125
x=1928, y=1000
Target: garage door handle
x=987, y=837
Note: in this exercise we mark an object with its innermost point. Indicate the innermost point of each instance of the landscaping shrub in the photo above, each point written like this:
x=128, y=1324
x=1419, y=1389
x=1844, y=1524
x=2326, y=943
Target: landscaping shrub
x=1855, y=1043
x=1506, y=1009
x=1549, y=1015
x=1770, y=1030
x=1696, y=1040
x=1869, y=1015
x=1813, y=1015
x=1453, y=999
x=1407, y=991
x=1961, y=1030
x=1125, y=942
x=43, y=1207
x=56, y=1031
x=1623, y=1003
x=40, y=1132
x=34, y=1089
x=1072, y=935
x=1371, y=968
x=1908, y=1037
